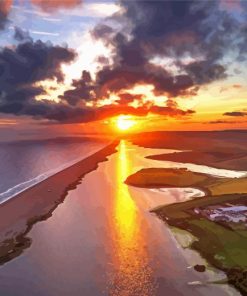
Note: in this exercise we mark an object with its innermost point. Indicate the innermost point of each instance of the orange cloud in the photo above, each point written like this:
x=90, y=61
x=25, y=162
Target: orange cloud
x=47, y=5
x=5, y=7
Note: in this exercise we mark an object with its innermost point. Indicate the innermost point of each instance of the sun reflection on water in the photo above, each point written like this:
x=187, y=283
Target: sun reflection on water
x=132, y=274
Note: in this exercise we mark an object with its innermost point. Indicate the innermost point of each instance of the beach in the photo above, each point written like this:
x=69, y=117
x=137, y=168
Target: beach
x=37, y=203
x=101, y=240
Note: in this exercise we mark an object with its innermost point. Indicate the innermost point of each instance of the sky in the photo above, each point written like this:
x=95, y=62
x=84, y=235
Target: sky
x=73, y=66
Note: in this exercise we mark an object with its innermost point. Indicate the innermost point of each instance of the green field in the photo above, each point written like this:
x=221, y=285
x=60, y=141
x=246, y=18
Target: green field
x=222, y=245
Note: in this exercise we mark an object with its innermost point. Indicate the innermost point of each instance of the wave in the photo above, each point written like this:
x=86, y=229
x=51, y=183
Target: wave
x=17, y=189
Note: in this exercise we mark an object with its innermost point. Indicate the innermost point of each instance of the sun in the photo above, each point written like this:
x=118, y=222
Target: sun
x=124, y=122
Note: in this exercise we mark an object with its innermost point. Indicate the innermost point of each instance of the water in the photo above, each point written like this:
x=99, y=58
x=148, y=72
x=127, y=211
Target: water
x=25, y=163
x=220, y=173
x=102, y=240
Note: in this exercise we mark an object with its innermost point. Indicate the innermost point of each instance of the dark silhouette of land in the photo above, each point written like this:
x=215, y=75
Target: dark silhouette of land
x=221, y=149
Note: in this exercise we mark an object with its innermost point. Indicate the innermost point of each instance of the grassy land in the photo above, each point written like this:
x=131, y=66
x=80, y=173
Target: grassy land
x=161, y=177
x=222, y=246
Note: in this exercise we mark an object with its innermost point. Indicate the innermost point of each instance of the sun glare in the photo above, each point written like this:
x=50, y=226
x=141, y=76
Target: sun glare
x=125, y=122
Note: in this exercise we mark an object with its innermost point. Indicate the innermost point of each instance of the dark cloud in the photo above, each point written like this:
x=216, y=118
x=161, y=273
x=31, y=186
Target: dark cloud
x=102, y=60
x=82, y=90
x=235, y=113
x=31, y=61
x=144, y=37
x=219, y=121
x=126, y=98
x=21, y=35
x=114, y=110
x=170, y=111
x=166, y=29
x=21, y=67
x=101, y=31
x=204, y=73
x=57, y=112
x=159, y=29
x=124, y=77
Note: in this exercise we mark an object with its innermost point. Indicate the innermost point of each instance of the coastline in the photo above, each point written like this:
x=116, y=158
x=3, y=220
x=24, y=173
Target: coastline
x=182, y=178
x=216, y=149
x=23, y=185
x=236, y=163
x=211, y=275
x=37, y=203
x=209, y=245
x=216, y=242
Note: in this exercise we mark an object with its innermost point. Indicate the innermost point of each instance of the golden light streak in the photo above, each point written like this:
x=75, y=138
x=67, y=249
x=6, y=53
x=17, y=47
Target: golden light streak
x=133, y=274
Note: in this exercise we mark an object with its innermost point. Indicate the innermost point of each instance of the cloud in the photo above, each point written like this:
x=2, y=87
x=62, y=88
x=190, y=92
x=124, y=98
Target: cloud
x=72, y=8
x=82, y=90
x=98, y=9
x=189, y=34
x=5, y=7
x=52, y=20
x=204, y=73
x=233, y=86
x=101, y=31
x=48, y=5
x=18, y=37
x=231, y=5
x=126, y=98
x=235, y=113
x=219, y=121
x=31, y=61
x=166, y=29
x=237, y=86
x=44, y=33
x=21, y=67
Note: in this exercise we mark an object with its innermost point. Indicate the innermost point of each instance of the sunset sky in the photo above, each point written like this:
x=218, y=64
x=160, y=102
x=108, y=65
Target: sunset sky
x=76, y=66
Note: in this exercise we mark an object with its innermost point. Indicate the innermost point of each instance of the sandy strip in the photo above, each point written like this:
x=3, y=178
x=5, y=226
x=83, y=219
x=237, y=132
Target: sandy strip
x=38, y=202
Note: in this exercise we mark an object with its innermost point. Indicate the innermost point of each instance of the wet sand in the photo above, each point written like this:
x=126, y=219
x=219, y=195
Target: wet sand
x=103, y=241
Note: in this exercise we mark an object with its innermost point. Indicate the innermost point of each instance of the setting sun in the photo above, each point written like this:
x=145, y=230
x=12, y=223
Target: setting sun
x=124, y=122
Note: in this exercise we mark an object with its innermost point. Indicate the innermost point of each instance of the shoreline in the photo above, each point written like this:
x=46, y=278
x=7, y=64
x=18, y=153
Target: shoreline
x=17, y=189
x=212, y=275
x=219, y=166
x=217, y=149
x=157, y=177
x=216, y=242
x=233, y=276
x=37, y=203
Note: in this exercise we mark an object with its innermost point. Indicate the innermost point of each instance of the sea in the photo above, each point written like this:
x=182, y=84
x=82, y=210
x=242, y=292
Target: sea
x=27, y=162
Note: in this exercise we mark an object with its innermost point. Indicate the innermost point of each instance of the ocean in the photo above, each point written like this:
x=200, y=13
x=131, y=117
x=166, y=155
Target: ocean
x=27, y=162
